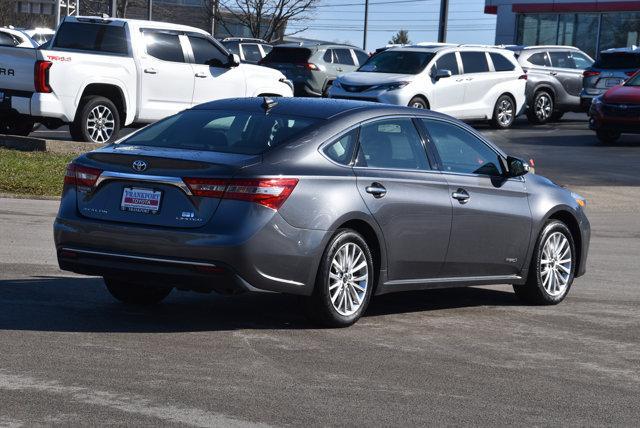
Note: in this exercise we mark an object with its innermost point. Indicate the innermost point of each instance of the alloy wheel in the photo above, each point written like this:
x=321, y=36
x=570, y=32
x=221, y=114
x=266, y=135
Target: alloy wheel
x=505, y=112
x=100, y=124
x=556, y=264
x=348, y=279
x=417, y=104
x=543, y=107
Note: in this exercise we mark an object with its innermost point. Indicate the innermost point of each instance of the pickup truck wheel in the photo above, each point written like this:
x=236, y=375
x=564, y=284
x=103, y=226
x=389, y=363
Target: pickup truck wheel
x=97, y=121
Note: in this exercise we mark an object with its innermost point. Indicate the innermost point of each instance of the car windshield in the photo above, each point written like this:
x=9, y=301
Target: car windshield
x=221, y=131
x=398, y=62
x=618, y=60
x=634, y=81
x=287, y=55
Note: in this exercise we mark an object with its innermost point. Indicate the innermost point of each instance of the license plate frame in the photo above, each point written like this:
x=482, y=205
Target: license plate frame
x=142, y=200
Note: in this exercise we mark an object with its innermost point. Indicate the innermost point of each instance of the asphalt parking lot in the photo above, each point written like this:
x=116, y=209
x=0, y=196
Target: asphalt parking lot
x=71, y=355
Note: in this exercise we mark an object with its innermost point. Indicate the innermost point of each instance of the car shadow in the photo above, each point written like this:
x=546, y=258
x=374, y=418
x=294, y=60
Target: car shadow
x=78, y=304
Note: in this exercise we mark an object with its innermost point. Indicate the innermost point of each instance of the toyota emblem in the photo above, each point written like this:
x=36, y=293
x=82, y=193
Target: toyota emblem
x=139, y=165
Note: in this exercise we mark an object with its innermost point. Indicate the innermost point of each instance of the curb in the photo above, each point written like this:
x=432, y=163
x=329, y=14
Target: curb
x=31, y=144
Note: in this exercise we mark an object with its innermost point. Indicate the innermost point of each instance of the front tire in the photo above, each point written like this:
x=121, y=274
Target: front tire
x=608, y=136
x=552, y=268
x=344, y=282
x=504, y=113
x=97, y=121
x=419, y=103
x=541, y=110
x=136, y=294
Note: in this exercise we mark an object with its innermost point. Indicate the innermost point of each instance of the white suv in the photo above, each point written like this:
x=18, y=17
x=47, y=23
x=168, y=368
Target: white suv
x=463, y=81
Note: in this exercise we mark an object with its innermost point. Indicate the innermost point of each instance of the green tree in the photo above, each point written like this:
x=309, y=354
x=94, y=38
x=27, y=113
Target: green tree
x=400, y=38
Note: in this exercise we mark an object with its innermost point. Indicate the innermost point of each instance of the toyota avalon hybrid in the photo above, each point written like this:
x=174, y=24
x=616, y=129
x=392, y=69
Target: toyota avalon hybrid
x=334, y=200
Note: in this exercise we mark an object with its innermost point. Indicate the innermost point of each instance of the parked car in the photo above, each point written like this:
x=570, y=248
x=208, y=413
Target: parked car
x=465, y=82
x=612, y=68
x=102, y=74
x=40, y=35
x=617, y=111
x=249, y=50
x=250, y=194
x=10, y=37
x=554, y=80
x=313, y=67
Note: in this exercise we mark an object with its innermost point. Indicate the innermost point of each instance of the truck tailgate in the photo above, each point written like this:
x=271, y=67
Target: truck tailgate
x=17, y=68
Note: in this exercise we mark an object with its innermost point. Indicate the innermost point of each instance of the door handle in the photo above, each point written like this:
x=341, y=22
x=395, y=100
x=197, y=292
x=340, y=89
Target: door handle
x=339, y=69
x=150, y=71
x=459, y=80
x=461, y=196
x=201, y=75
x=376, y=189
x=469, y=78
x=553, y=73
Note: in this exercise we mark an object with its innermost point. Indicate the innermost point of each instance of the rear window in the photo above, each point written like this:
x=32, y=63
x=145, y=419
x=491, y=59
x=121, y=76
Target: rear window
x=221, y=131
x=288, y=55
x=501, y=63
x=618, y=60
x=91, y=37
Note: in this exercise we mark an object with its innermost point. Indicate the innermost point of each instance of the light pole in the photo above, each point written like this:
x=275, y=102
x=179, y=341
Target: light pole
x=150, y=10
x=442, y=27
x=366, y=24
x=114, y=8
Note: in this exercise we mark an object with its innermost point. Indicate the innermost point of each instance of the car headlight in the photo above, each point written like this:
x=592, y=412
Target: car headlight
x=597, y=100
x=389, y=86
x=579, y=199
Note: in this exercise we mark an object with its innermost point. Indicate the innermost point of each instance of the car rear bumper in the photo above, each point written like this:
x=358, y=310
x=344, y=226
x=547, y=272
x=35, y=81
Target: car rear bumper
x=278, y=257
x=599, y=121
x=35, y=105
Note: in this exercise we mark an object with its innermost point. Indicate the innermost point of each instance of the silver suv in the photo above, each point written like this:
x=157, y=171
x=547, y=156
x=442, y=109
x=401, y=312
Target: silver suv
x=612, y=68
x=554, y=79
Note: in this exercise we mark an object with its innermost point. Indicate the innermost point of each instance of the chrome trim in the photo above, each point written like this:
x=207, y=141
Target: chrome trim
x=123, y=176
x=453, y=279
x=143, y=258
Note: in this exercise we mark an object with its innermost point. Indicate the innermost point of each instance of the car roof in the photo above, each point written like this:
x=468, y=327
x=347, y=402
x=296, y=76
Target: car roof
x=632, y=50
x=136, y=24
x=446, y=48
x=320, y=108
x=315, y=46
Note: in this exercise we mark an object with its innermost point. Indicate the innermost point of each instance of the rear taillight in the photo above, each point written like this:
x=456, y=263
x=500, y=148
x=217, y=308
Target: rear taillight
x=41, y=77
x=270, y=192
x=590, y=73
x=630, y=73
x=77, y=175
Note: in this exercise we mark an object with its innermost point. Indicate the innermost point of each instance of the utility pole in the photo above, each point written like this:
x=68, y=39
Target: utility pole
x=366, y=24
x=442, y=27
x=114, y=8
x=150, y=10
x=57, y=12
x=214, y=12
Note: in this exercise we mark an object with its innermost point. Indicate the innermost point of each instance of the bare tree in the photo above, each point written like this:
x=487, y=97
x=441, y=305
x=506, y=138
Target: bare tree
x=265, y=19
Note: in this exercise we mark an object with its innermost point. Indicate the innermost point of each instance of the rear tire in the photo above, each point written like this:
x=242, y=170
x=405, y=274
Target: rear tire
x=504, y=112
x=541, y=110
x=344, y=282
x=97, y=121
x=608, y=136
x=552, y=269
x=419, y=103
x=136, y=294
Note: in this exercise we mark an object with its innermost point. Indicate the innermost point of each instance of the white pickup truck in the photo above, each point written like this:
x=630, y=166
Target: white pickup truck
x=99, y=75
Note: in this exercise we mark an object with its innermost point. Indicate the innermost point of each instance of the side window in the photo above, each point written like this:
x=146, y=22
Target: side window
x=164, y=46
x=581, y=60
x=448, y=62
x=267, y=49
x=7, y=40
x=362, y=56
x=251, y=52
x=500, y=63
x=343, y=56
x=391, y=143
x=562, y=59
x=474, y=62
x=328, y=56
x=461, y=151
x=341, y=150
x=540, y=58
x=206, y=53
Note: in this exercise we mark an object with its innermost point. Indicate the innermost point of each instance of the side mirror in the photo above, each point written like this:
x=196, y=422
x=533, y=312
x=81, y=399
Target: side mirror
x=234, y=60
x=442, y=74
x=517, y=167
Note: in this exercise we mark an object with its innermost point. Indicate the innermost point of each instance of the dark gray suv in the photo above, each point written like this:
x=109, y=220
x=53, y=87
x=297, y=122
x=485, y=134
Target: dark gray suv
x=313, y=67
x=554, y=80
x=334, y=200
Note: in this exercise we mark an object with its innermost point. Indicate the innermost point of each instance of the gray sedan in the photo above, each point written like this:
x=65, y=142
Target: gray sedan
x=336, y=201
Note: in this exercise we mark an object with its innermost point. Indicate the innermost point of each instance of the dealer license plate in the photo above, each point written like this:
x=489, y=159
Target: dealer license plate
x=141, y=200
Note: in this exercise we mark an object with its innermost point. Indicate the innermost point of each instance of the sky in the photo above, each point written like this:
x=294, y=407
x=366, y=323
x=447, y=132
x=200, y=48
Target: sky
x=343, y=21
